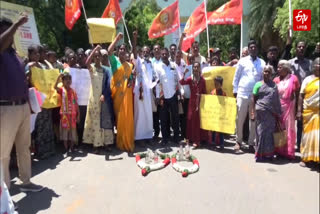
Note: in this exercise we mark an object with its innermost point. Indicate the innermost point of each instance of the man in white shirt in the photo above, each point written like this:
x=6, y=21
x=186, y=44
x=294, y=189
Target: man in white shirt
x=156, y=113
x=144, y=82
x=195, y=51
x=184, y=91
x=248, y=73
x=173, y=52
x=167, y=93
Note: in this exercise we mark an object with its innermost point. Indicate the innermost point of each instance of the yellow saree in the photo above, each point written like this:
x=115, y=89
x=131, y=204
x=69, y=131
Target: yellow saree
x=310, y=138
x=122, y=103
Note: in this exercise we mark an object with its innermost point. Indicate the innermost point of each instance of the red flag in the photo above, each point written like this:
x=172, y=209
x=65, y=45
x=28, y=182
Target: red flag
x=72, y=12
x=228, y=14
x=195, y=25
x=113, y=10
x=166, y=22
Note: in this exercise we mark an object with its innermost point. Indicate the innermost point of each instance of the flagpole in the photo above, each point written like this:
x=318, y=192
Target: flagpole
x=125, y=26
x=179, y=21
x=290, y=19
x=205, y=11
x=85, y=16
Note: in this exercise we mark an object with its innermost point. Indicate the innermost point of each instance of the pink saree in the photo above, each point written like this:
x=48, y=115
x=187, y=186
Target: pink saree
x=287, y=88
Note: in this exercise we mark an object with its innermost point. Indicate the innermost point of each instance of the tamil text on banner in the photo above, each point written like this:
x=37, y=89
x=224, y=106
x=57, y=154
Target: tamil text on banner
x=44, y=80
x=27, y=34
x=226, y=72
x=166, y=22
x=218, y=113
x=81, y=83
x=72, y=12
x=228, y=14
x=102, y=30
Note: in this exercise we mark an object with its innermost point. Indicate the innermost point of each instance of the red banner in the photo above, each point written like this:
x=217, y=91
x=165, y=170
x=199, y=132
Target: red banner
x=72, y=12
x=228, y=14
x=113, y=10
x=166, y=22
x=195, y=25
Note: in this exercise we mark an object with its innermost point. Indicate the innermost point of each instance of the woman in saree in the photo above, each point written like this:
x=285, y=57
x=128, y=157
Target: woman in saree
x=197, y=86
x=122, y=96
x=308, y=111
x=266, y=112
x=288, y=87
x=98, y=128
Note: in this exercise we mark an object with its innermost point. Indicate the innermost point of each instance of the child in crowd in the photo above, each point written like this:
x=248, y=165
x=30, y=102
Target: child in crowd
x=218, y=138
x=69, y=111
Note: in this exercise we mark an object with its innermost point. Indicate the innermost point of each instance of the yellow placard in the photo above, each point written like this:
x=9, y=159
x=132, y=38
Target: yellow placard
x=226, y=72
x=27, y=34
x=101, y=30
x=218, y=113
x=44, y=80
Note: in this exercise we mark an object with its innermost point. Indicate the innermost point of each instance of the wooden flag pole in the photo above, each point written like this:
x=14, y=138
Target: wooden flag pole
x=85, y=16
x=205, y=11
x=179, y=20
x=125, y=26
x=290, y=19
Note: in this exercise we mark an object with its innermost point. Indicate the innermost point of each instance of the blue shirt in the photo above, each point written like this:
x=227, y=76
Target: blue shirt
x=248, y=72
x=13, y=81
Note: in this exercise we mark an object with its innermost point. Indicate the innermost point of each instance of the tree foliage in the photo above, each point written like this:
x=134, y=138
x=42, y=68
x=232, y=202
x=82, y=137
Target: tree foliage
x=49, y=15
x=139, y=17
x=282, y=21
x=222, y=36
x=262, y=15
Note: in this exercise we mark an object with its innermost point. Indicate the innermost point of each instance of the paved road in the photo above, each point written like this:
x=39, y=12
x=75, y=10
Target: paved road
x=226, y=183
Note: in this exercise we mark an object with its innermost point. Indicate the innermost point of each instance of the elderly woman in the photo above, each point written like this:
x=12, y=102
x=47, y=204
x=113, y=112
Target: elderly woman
x=308, y=110
x=266, y=112
x=288, y=87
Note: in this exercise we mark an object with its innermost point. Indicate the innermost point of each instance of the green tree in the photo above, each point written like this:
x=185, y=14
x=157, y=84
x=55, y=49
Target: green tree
x=49, y=15
x=261, y=19
x=222, y=36
x=282, y=21
x=139, y=17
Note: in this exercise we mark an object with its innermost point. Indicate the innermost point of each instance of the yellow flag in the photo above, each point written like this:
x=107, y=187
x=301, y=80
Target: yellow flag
x=44, y=80
x=101, y=30
x=226, y=72
x=218, y=113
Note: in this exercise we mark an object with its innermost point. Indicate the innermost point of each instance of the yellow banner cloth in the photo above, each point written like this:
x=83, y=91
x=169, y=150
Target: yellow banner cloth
x=218, y=113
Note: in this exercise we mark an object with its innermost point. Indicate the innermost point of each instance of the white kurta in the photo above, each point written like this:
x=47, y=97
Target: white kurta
x=143, y=119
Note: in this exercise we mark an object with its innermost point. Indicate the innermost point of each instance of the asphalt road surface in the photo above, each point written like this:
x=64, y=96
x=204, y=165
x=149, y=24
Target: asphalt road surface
x=111, y=183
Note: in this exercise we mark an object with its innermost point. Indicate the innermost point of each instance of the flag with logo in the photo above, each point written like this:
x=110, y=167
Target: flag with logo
x=228, y=14
x=113, y=10
x=195, y=25
x=72, y=12
x=166, y=22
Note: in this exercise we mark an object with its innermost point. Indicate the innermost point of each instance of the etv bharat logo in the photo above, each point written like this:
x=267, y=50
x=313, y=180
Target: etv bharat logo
x=301, y=20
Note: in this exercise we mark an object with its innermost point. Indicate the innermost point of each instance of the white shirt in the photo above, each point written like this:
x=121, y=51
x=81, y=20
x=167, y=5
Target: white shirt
x=155, y=61
x=145, y=73
x=168, y=77
x=247, y=74
x=184, y=89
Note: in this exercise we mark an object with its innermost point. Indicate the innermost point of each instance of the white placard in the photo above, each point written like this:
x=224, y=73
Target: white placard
x=81, y=83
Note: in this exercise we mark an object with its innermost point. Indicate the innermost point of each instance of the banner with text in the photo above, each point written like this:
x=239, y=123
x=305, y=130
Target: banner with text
x=226, y=72
x=218, y=113
x=27, y=34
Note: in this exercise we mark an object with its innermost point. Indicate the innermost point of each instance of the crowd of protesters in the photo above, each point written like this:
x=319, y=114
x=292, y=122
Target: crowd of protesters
x=137, y=94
